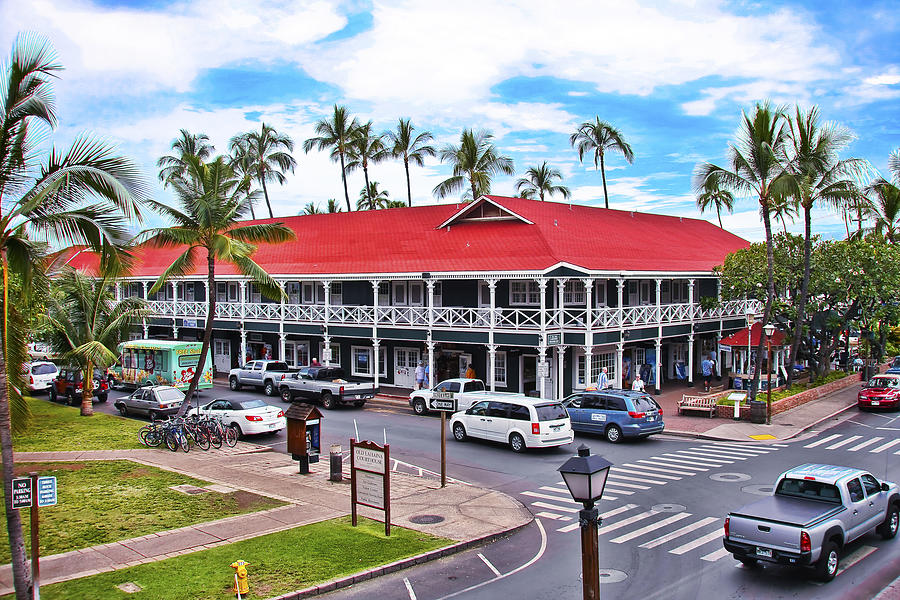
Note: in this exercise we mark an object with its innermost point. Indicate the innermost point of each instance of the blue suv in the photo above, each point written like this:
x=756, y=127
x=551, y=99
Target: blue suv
x=615, y=414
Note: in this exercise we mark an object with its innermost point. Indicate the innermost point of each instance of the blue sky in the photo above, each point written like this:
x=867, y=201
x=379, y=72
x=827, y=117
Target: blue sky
x=672, y=76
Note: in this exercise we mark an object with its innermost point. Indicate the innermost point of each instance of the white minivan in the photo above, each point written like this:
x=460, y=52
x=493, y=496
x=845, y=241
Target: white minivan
x=39, y=375
x=520, y=422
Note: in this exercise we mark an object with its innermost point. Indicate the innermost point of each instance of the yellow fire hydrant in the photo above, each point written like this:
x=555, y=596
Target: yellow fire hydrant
x=241, y=583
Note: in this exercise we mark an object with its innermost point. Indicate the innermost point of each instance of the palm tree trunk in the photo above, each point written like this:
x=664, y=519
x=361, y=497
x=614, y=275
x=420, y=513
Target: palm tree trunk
x=207, y=332
x=87, y=390
x=770, y=294
x=21, y=580
x=368, y=189
x=262, y=180
x=252, y=212
x=344, y=179
x=719, y=215
x=603, y=175
x=783, y=224
x=804, y=290
x=408, y=188
x=472, y=182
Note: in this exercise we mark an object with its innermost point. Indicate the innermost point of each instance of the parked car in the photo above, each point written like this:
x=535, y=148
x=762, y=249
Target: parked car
x=68, y=385
x=264, y=374
x=882, y=391
x=249, y=417
x=520, y=422
x=39, y=350
x=326, y=384
x=615, y=414
x=466, y=392
x=815, y=512
x=894, y=367
x=153, y=401
x=39, y=375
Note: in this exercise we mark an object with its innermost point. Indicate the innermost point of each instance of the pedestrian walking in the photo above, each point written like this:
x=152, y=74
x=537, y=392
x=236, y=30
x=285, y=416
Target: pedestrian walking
x=420, y=375
x=603, y=380
x=470, y=372
x=638, y=383
x=706, y=368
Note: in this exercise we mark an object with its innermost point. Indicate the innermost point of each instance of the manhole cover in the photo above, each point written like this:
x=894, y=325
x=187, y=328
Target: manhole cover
x=187, y=488
x=612, y=576
x=730, y=477
x=759, y=490
x=426, y=519
x=668, y=508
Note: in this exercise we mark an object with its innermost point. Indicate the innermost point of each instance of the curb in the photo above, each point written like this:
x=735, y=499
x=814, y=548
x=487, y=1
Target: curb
x=399, y=565
x=825, y=418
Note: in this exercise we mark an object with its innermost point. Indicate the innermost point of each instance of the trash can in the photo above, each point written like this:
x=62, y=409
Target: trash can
x=757, y=412
x=868, y=372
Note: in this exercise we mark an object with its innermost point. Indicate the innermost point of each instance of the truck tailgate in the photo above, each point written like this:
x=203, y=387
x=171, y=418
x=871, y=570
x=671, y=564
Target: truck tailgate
x=776, y=521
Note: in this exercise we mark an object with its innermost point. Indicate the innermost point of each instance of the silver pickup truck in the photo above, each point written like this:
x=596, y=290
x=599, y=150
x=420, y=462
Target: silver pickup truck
x=265, y=374
x=815, y=512
x=325, y=384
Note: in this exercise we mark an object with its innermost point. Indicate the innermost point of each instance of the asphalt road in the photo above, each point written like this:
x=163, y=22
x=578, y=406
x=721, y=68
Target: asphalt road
x=664, y=506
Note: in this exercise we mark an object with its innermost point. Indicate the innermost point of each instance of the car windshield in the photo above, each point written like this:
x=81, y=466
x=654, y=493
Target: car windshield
x=551, y=412
x=885, y=382
x=170, y=395
x=248, y=404
x=43, y=369
x=804, y=488
x=644, y=403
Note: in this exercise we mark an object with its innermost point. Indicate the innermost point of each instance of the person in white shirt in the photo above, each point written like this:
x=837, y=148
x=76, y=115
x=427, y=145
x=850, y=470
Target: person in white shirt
x=420, y=375
x=603, y=380
x=638, y=384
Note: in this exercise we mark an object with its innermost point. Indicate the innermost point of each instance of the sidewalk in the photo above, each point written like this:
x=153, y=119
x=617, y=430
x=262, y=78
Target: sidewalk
x=467, y=513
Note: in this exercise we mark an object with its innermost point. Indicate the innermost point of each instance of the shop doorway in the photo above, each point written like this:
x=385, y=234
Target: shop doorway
x=222, y=355
x=528, y=373
x=405, y=362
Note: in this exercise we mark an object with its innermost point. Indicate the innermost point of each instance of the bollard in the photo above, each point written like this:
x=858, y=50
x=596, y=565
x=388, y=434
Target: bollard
x=337, y=463
x=737, y=410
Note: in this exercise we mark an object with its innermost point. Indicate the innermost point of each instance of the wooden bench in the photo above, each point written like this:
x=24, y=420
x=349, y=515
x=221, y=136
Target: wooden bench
x=699, y=403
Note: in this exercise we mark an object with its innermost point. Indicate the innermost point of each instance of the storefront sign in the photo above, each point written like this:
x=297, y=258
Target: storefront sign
x=543, y=369
x=554, y=339
x=370, y=479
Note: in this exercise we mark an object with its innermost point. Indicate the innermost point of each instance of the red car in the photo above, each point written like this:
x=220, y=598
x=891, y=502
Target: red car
x=68, y=385
x=882, y=391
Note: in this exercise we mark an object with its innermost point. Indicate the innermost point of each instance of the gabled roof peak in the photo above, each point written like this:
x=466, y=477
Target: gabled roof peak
x=486, y=208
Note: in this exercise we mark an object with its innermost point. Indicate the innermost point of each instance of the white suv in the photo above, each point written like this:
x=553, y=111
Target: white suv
x=39, y=375
x=520, y=422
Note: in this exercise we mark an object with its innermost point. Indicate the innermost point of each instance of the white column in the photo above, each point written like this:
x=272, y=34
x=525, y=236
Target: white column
x=492, y=348
x=657, y=387
x=589, y=329
x=429, y=343
x=281, y=335
x=492, y=364
x=144, y=319
x=691, y=360
x=243, y=345
x=691, y=298
x=620, y=350
x=118, y=291
x=560, y=353
x=429, y=339
x=588, y=351
x=376, y=353
x=375, y=339
x=243, y=285
x=561, y=349
x=174, y=309
x=282, y=338
x=542, y=340
x=327, y=285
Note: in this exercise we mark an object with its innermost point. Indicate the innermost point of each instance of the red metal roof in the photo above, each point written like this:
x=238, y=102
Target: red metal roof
x=739, y=338
x=406, y=240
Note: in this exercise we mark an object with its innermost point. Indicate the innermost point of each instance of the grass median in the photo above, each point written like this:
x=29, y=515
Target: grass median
x=55, y=427
x=279, y=563
x=107, y=501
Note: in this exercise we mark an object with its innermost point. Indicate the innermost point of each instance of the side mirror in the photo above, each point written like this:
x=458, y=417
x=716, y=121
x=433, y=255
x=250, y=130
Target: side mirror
x=469, y=412
x=884, y=487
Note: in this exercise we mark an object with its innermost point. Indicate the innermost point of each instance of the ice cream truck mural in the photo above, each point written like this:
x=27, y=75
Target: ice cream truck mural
x=161, y=362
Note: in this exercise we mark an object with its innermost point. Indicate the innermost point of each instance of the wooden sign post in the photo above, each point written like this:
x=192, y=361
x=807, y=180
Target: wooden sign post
x=446, y=403
x=370, y=479
x=33, y=493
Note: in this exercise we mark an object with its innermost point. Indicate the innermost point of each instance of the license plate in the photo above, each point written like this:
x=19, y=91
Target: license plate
x=876, y=402
x=764, y=552
x=359, y=397
x=651, y=418
x=272, y=425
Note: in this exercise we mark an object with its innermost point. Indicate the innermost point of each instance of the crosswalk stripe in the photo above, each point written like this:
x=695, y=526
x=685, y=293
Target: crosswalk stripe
x=782, y=445
x=549, y=515
x=680, y=464
x=728, y=453
x=617, y=511
x=557, y=489
x=715, y=455
x=669, y=470
x=649, y=528
x=613, y=475
x=626, y=522
x=568, y=528
x=743, y=446
x=714, y=556
x=734, y=450
x=632, y=486
x=679, y=532
x=869, y=442
x=701, y=459
x=854, y=557
x=567, y=509
x=615, y=491
x=632, y=471
x=698, y=542
x=885, y=446
x=824, y=440
x=547, y=496
x=849, y=440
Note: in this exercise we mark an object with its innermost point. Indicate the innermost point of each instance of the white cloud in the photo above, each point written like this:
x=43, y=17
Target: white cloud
x=890, y=77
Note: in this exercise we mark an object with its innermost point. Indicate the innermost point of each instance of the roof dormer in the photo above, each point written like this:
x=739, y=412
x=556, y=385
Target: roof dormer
x=486, y=208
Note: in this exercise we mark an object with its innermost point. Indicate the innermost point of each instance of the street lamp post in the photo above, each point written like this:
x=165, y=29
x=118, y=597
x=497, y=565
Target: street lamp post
x=585, y=476
x=770, y=331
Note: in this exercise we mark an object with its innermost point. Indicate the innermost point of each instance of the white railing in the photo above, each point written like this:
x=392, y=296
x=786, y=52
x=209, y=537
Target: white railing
x=444, y=317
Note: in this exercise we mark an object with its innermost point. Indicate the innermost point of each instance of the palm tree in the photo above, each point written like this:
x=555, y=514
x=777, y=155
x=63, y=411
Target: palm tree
x=712, y=195
x=311, y=209
x=373, y=198
x=241, y=162
x=335, y=134
x=86, y=324
x=366, y=148
x=80, y=196
x=596, y=138
x=757, y=168
x=270, y=154
x=410, y=147
x=884, y=209
x=815, y=175
x=172, y=166
x=207, y=226
x=332, y=206
x=894, y=165
x=539, y=180
x=474, y=162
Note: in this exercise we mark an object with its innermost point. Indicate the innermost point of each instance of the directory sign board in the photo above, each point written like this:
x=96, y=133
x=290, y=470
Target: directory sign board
x=370, y=479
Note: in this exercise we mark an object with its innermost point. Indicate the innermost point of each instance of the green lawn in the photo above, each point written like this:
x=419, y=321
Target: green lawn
x=106, y=501
x=279, y=563
x=59, y=427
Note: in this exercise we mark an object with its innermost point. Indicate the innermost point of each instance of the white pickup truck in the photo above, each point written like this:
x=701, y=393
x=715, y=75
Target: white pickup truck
x=466, y=392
